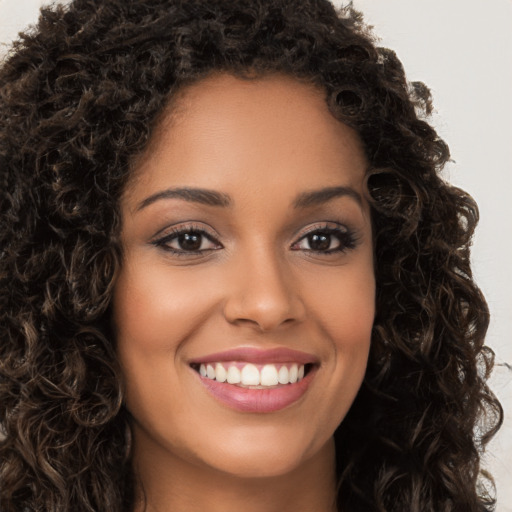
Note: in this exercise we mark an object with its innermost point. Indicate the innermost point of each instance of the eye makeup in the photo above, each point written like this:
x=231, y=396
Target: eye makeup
x=193, y=239
x=187, y=239
x=327, y=238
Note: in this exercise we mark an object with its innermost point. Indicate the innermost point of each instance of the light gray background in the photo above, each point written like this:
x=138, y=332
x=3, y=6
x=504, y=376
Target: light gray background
x=462, y=49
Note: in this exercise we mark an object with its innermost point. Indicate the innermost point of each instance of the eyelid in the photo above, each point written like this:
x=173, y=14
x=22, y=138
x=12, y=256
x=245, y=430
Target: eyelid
x=331, y=227
x=187, y=225
x=347, y=237
x=327, y=225
x=163, y=236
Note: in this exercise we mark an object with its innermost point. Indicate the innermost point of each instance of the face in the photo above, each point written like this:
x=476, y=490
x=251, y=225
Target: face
x=244, y=306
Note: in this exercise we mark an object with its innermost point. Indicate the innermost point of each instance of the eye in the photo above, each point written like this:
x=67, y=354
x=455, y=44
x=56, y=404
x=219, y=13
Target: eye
x=188, y=240
x=326, y=240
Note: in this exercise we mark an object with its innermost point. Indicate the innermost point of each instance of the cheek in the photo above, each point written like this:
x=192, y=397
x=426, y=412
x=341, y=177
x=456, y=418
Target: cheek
x=153, y=315
x=344, y=303
x=344, y=306
x=154, y=312
x=349, y=319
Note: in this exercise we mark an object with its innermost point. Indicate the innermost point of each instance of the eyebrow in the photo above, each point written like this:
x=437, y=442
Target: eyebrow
x=323, y=195
x=194, y=195
x=213, y=198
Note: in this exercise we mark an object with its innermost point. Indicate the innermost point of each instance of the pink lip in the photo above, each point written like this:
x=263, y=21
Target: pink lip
x=257, y=400
x=258, y=356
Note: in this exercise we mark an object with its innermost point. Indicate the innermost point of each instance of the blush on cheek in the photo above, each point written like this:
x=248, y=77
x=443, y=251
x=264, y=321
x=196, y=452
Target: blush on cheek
x=153, y=309
x=347, y=312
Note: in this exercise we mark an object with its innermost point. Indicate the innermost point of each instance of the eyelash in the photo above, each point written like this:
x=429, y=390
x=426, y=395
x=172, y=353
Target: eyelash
x=346, y=237
x=347, y=240
x=174, y=233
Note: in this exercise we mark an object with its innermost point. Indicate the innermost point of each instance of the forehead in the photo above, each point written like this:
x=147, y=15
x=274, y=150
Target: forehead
x=226, y=131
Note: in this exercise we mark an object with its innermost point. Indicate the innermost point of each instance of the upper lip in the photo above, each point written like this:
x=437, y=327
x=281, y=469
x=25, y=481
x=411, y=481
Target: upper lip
x=258, y=356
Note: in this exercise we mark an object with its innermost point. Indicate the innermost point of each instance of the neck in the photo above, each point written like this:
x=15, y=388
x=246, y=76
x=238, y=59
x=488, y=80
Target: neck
x=168, y=483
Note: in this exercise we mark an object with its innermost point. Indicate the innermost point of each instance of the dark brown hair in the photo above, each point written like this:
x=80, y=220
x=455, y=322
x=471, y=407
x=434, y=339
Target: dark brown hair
x=79, y=97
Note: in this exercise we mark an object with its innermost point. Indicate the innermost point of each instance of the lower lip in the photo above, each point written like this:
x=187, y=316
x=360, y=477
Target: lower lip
x=257, y=400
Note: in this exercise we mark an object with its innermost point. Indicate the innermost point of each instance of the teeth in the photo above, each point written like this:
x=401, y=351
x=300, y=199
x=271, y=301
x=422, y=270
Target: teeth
x=269, y=375
x=233, y=376
x=293, y=374
x=210, y=372
x=220, y=373
x=251, y=375
x=283, y=375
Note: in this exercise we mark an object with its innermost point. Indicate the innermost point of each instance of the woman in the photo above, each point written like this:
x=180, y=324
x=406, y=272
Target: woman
x=231, y=274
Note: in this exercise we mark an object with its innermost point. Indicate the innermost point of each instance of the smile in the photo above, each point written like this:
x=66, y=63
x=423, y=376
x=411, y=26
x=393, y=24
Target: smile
x=257, y=381
x=253, y=376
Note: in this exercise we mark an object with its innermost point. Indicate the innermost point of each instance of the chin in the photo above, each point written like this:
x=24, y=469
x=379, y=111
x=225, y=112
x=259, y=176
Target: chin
x=265, y=456
x=261, y=465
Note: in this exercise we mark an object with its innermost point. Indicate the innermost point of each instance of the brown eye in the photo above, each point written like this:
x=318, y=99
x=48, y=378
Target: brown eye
x=326, y=240
x=319, y=241
x=188, y=241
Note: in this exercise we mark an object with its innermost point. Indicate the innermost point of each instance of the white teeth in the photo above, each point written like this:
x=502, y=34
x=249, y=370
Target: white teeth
x=252, y=375
x=220, y=373
x=233, y=376
x=283, y=375
x=294, y=373
x=210, y=371
x=269, y=375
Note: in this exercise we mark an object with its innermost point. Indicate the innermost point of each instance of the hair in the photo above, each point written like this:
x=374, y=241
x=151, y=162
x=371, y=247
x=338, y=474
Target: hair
x=80, y=96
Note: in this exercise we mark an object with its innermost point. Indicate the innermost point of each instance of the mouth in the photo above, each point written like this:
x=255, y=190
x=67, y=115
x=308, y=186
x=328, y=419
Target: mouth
x=253, y=376
x=257, y=381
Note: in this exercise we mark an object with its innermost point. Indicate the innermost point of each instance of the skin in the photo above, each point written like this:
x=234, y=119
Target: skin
x=255, y=283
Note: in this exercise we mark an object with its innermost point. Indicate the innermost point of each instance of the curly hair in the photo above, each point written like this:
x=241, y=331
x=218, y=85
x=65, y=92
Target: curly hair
x=80, y=96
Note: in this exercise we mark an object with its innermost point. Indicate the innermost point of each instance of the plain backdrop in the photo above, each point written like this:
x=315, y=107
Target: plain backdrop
x=462, y=49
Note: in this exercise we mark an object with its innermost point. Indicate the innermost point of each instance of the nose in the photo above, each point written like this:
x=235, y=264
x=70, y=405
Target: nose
x=263, y=294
